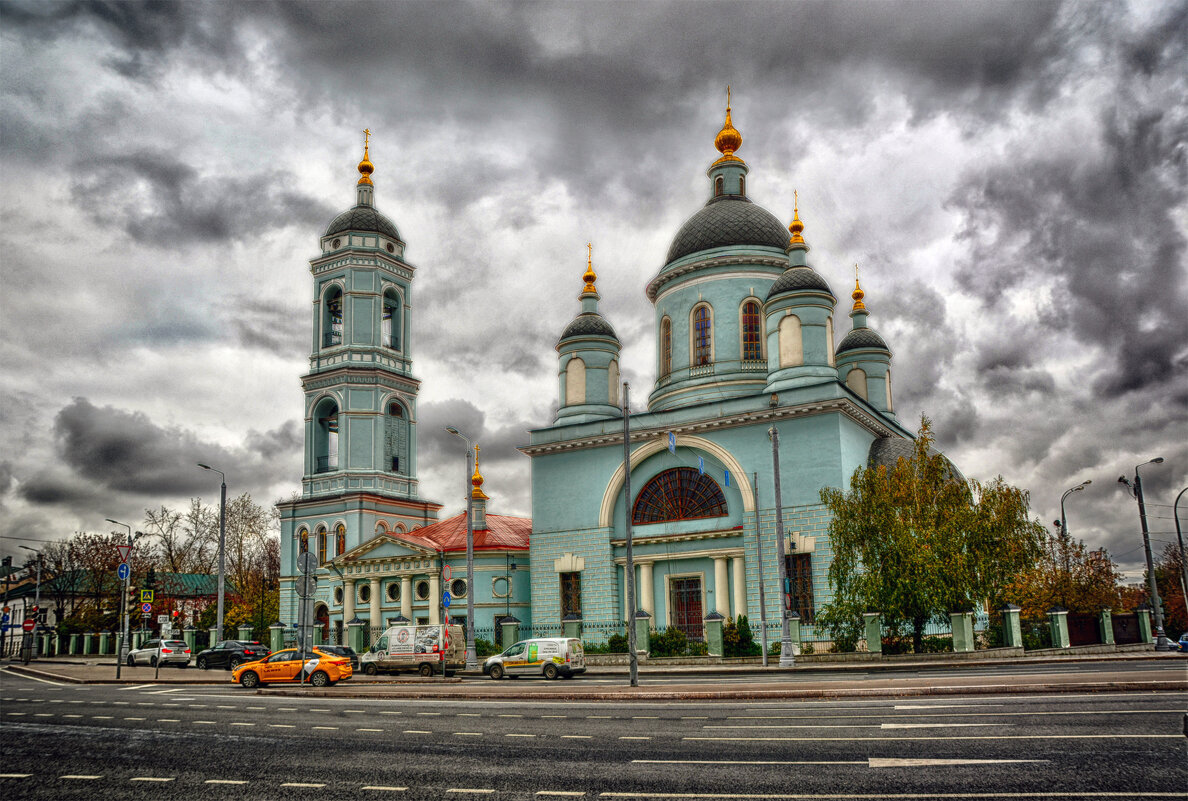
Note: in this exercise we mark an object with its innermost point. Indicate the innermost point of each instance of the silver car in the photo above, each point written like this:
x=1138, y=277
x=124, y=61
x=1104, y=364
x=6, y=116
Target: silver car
x=170, y=652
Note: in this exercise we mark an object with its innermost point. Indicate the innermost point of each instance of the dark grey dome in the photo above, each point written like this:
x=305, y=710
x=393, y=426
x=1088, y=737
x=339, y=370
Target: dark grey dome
x=795, y=279
x=862, y=338
x=589, y=325
x=887, y=451
x=728, y=221
x=362, y=218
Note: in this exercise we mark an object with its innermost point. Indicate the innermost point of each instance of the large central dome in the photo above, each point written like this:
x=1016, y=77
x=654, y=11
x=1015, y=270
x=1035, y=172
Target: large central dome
x=726, y=221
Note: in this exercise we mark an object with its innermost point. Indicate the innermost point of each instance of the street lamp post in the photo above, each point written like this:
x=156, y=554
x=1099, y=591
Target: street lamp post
x=222, y=545
x=1161, y=643
x=509, y=568
x=1180, y=538
x=1064, y=536
x=471, y=654
x=787, y=658
x=36, y=603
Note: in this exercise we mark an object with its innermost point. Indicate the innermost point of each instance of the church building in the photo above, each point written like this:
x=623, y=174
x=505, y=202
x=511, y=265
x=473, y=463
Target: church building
x=744, y=342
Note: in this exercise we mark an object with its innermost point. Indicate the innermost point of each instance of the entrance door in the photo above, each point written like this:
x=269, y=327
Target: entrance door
x=685, y=603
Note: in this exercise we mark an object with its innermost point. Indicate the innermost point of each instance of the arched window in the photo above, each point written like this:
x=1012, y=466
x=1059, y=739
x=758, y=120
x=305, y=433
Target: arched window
x=332, y=317
x=326, y=436
x=703, y=335
x=678, y=494
x=742, y=185
x=396, y=438
x=321, y=546
x=752, y=342
x=303, y=541
x=791, y=345
x=665, y=347
x=718, y=186
x=829, y=355
x=856, y=380
x=390, y=324
x=889, y=406
x=612, y=380
x=340, y=540
x=575, y=382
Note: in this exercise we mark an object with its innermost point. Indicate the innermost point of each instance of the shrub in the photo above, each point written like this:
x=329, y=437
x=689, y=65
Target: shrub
x=746, y=639
x=670, y=642
x=617, y=644
x=484, y=648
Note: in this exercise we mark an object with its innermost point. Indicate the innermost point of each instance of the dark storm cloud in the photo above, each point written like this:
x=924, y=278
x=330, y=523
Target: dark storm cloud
x=125, y=451
x=433, y=441
x=270, y=325
x=159, y=200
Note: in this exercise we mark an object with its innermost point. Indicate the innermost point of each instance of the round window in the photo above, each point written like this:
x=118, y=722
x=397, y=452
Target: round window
x=365, y=593
x=336, y=243
x=394, y=591
x=422, y=590
x=458, y=588
x=338, y=595
x=391, y=248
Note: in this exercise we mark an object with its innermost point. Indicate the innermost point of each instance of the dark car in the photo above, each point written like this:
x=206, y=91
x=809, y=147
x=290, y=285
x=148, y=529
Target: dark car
x=1183, y=643
x=230, y=654
x=341, y=650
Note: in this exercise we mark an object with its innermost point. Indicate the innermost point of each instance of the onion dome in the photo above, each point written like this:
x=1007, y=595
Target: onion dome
x=363, y=216
x=724, y=222
x=589, y=325
x=861, y=338
x=476, y=480
x=798, y=279
x=365, y=166
x=728, y=139
x=887, y=451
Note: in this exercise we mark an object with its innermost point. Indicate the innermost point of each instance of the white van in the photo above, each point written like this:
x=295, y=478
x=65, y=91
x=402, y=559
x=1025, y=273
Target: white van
x=418, y=648
x=546, y=656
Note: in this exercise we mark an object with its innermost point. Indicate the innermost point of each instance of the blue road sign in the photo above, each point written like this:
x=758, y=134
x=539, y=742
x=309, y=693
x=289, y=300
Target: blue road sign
x=123, y=571
x=671, y=442
x=446, y=598
x=146, y=608
x=727, y=478
x=700, y=465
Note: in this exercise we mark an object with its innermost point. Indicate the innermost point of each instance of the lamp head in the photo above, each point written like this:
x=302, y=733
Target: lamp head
x=205, y=466
x=452, y=430
x=1124, y=480
x=109, y=520
x=1086, y=482
x=1156, y=460
x=1056, y=523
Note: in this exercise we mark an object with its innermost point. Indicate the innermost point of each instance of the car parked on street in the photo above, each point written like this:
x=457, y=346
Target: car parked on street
x=170, y=652
x=544, y=656
x=341, y=650
x=230, y=654
x=1183, y=643
x=320, y=670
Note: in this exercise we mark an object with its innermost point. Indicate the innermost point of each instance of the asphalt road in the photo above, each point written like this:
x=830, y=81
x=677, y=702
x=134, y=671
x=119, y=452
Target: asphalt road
x=212, y=742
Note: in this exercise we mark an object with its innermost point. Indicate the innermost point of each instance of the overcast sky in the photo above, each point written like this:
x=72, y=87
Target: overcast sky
x=1010, y=177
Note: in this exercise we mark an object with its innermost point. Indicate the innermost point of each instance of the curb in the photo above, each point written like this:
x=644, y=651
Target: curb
x=45, y=674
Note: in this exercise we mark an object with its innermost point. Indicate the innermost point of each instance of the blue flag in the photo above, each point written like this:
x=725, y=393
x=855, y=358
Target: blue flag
x=728, y=478
x=700, y=465
x=671, y=442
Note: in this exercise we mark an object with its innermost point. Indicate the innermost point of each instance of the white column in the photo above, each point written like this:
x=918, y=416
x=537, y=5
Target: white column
x=348, y=601
x=647, y=600
x=721, y=587
x=740, y=588
x=434, y=597
x=406, y=596
x=374, y=611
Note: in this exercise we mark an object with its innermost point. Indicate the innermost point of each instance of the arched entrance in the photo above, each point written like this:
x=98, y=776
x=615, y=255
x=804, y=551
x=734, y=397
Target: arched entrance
x=322, y=620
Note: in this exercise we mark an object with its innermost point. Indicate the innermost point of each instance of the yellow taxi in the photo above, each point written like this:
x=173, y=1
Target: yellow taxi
x=318, y=668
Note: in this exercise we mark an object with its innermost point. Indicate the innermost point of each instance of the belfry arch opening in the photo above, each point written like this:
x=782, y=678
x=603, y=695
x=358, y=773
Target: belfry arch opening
x=325, y=431
x=396, y=438
x=332, y=322
x=392, y=321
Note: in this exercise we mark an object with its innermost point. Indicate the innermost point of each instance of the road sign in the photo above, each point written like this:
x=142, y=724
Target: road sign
x=671, y=442
x=123, y=571
x=307, y=585
x=146, y=608
x=162, y=618
x=146, y=596
x=307, y=562
x=445, y=599
x=124, y=551
x=446, y=572
x=29, y=624
x=4, y=618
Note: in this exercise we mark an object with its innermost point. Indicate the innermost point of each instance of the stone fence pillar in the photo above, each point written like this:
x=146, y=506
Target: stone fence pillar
x=276, y=636
x=874, y=632
x=713, y=633
x=355, y=634
x=794, y=632
x=190, y=635
x=86, y=643
x=245, y=631
x=643, y=632
x=963, y=636
x=1058, y=625
x=1105, y=627
x=103, y=639
x=73, y=644
x=510, y=626
x=1012, y=629
x=1144, y=623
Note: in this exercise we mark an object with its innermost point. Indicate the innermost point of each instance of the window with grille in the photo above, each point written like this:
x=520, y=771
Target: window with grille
x=321, y=546
x=702, y=336
x=752, y=346
x=571, y=594
x=665, y=346
x=679, y=494
x=800, y=581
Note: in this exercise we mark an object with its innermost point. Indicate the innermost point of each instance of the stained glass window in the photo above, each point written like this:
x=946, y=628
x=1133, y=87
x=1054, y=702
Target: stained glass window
x=702, y=336
x=752, y=349
x=304, y=541
x=679, y=494
x=665, y=346
x=339, y=541
x=800, y=581
x=321, y=546
x=571, y=594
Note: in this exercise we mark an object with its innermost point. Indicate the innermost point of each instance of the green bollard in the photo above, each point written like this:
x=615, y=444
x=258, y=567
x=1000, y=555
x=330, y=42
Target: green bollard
x=713, y=633
x=1058, y=625
x=874, y=632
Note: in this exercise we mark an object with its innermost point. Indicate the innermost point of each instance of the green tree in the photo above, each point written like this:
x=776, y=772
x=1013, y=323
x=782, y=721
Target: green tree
x=916, y=541
x=1069, y=576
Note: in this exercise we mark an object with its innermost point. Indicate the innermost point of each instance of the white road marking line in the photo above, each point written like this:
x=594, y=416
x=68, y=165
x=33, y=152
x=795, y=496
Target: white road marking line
x=801, y=726
x=355, y=711
x=225, y=781
x=102, y=717
x=136, y=687
x=940, y=706
x=645, y=717
x=935, y=725
x=469, y=790
x=168, y=720
x=43, y=714
x=17, y=714
x=326, y=728
x=79, y=776
x=386, y=712
x=204, y=723
x=552, y=716
x=226, y=706
x=429, y=713
x=599, y=717
x=881, y=762
x=286, y=709
x=468, y=734
x=302, y=784
x=519, y=735
x=243, y=724
x=750, y=762
x=865, y=796
x=256, y=708
x=385, y=789
x=961, y=737
x=635, y=738
x=121, y=703
x=694, y=717
x=164, y=692
x=57, y=701
x=35, y=678
x=570, y=793
x=72, y=716
x=369, y=730
x=281, y=726
x=15, y=775
x=133, y=718
x=460, y=714
x=416, y=731
x=319, y=710
x=504, y=716
x=577, y=736
x=151, y=779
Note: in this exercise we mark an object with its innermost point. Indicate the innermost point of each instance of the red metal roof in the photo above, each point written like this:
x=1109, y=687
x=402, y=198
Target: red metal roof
x=502, y=533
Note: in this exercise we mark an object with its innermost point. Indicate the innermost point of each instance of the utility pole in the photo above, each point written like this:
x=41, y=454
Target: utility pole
x=1180, y=537
x=632, y=656
x=1161, y=643
x=759, y=567
x=222, y=545
x=787, y=658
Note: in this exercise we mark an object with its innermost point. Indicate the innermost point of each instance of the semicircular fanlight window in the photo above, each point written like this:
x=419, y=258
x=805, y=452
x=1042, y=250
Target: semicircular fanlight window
x=679, y=494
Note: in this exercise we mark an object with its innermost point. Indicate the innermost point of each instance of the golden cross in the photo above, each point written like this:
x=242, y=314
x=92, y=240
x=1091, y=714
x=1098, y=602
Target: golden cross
x=727, y=95
x=590, y=254
x=855, y=272
x=366, y=137
x=476, y=458
x=795, y=200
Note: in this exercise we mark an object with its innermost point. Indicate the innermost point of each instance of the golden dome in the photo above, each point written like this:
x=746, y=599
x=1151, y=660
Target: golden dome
x=365, y=166
x=796, y=227
x=589, y=277
x=857, y=294
x=477, y=479
x=728, y=139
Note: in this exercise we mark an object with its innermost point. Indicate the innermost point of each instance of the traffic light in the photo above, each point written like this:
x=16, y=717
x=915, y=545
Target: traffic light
x=150, y=579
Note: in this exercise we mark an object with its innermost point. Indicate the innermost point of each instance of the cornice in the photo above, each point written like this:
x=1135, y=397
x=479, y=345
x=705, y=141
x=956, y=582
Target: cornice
x=363, y=376
x=373, y=260
x=714, y=261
